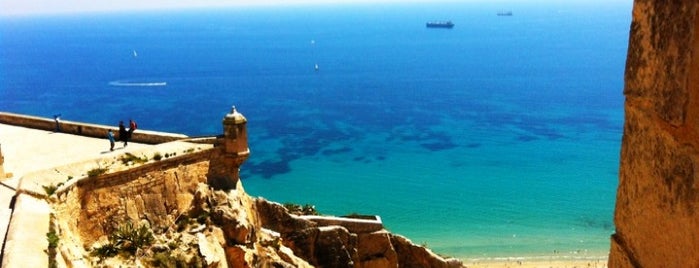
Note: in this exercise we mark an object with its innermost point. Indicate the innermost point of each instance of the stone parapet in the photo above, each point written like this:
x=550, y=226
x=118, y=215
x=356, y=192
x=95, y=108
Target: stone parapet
x=354, y=225
x=85, y=129
x=26, y=242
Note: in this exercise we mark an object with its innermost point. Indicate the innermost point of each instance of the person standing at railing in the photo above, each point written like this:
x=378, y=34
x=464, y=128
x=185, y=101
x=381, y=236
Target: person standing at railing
x=123, y=135
x=57, y=119
x=132, y=127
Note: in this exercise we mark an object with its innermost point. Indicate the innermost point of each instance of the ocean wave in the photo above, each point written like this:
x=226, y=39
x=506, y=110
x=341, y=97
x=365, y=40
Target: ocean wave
x=137, y=84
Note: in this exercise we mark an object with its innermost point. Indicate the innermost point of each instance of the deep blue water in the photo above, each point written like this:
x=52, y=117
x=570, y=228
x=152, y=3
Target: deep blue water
x=497, y=138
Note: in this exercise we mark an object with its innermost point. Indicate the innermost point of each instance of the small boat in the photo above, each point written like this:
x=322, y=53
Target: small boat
x=316, y=67
x=440, y=24
x=505, y=13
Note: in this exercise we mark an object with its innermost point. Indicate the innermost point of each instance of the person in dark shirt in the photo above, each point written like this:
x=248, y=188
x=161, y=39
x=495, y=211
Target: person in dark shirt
x=123, y=135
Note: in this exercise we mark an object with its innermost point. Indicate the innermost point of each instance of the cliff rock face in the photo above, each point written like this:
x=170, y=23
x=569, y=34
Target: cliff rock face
x=656, y=211
x=336, y=246
x=164, y=215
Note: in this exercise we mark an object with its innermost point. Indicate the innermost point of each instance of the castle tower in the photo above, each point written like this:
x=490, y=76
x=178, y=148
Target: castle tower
x=233, y=151
x=235, y=134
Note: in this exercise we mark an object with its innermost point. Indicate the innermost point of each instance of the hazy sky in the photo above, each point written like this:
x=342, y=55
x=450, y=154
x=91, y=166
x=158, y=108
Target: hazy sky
x=24, y=7
x=30, y=7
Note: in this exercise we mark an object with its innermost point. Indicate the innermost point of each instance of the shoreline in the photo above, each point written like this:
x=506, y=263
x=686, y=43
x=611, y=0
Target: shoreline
x=538, y=262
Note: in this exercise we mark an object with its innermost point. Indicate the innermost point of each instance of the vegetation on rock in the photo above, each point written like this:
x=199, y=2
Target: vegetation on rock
x=53, y=239
x=49, y=189
x=126, y=239
x=299, y=210
x=130, y=158
x=96, y=172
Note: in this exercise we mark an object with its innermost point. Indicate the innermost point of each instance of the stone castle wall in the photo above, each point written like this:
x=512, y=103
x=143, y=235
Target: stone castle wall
x=84, y=129
x=658, y=196
x=156, y=192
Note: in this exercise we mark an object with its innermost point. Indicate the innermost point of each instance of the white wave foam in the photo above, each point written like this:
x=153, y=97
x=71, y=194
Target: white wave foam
x=137, y=84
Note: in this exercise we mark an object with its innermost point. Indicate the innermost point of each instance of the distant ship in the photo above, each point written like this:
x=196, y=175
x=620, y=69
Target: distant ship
x=440, y=24
x=505, y=13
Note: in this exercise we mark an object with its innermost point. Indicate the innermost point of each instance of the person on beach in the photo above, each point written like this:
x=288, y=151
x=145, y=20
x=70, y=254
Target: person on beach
x=123, y=135
x=110, y=136
x=132, y=127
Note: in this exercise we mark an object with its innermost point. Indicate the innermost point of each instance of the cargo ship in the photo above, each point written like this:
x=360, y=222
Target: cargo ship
x=440, y=24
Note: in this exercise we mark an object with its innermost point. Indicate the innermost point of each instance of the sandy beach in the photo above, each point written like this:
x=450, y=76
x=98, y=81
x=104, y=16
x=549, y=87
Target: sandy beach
x=565, y=263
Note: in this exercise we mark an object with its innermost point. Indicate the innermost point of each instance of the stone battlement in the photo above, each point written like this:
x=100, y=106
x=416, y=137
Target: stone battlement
x=85, y=129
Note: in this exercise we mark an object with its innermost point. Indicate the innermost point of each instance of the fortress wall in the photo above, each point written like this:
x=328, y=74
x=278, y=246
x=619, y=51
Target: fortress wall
x=85, y=129
x=658, y=196
x=156, y=192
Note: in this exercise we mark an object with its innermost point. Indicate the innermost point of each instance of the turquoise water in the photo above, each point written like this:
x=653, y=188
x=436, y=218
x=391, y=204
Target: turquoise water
x=498, y=138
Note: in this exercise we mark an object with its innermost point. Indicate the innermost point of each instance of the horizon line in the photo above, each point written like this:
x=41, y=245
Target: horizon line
x=33, y=8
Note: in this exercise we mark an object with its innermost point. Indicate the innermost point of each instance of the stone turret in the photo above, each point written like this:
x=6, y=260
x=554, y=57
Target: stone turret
x=225, y=168
x=235, y=137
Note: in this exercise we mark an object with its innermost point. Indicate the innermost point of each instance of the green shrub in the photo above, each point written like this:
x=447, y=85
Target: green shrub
x=297, y=209
x=106, y=251
x=96, y=172
x=182, y=222
x=128, y=158
x=130, y=239
x=157, y=157
x=125, y=239
x=49, y=189
x=53, y=239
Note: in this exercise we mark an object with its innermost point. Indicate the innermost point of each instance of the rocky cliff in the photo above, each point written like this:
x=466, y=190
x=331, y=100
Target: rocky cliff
x=658, y=196
x=164, y=214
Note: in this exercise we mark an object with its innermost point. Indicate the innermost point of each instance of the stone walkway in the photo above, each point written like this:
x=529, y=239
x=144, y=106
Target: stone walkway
x=29, y=150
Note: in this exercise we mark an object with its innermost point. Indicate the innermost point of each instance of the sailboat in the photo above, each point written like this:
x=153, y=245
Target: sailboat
x=313, y=44
x=135, y=54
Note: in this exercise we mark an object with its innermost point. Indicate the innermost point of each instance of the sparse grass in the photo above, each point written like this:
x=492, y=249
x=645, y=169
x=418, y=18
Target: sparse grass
x=201, y=218
x=106, y=251
x=182, y=222
x=130, y=158
x=297, y=209
x=167, y=260
x=49, y=189
x=96, y=172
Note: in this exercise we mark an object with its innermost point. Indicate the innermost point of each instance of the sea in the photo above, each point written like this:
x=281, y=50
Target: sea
x=496, y=139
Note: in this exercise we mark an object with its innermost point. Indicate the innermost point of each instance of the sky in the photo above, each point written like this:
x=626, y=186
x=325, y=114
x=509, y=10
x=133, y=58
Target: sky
x=39, y=7
x=36, y=7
